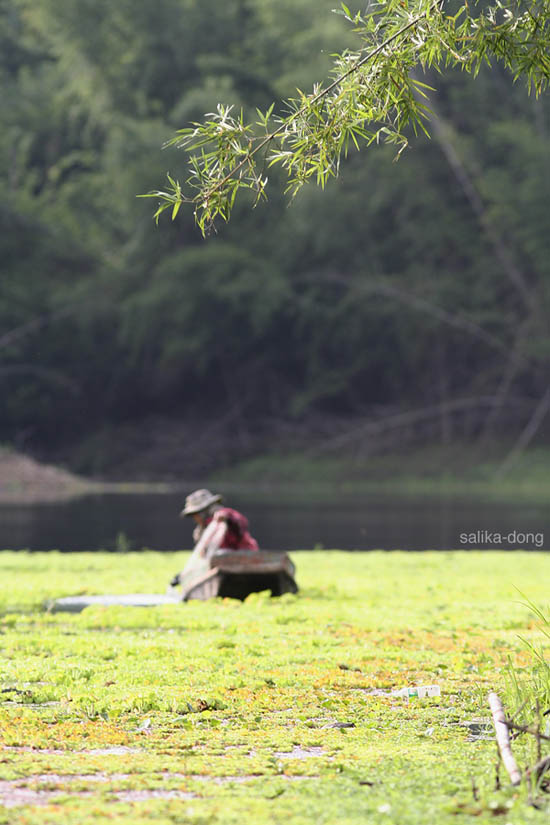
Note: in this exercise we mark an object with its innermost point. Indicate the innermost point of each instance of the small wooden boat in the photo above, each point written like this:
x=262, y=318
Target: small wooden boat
x=228, y=573
x=237, y=573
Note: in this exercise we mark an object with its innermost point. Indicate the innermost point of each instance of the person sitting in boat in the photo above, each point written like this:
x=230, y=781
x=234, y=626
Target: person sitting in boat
x=217, y=528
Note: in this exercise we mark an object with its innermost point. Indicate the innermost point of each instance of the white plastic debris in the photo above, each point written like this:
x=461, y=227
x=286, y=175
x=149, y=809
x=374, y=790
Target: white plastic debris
x=421, y=691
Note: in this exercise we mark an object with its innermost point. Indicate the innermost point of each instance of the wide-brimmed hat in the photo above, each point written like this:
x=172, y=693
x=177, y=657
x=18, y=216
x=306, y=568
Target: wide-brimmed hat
x=199, y=500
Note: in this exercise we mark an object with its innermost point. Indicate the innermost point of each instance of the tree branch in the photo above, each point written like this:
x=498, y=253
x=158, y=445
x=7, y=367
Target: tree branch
x=539, y=414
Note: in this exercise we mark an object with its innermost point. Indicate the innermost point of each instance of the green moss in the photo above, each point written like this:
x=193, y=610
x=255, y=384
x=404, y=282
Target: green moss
x=261, y=712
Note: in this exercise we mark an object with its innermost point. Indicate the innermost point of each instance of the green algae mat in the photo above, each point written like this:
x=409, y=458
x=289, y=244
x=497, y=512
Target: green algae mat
x=267, y=711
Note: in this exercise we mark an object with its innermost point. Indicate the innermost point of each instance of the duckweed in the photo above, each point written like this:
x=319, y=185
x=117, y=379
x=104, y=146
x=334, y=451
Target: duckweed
x=267, y=711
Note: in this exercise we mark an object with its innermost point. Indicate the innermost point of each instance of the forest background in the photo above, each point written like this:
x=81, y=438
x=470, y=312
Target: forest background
x=406, y=304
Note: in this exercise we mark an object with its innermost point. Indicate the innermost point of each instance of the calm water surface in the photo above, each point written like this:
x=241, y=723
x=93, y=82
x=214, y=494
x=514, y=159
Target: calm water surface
x=385, y=522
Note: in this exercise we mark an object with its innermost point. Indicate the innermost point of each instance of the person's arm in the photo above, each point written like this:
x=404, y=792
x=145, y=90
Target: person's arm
x=211, y=539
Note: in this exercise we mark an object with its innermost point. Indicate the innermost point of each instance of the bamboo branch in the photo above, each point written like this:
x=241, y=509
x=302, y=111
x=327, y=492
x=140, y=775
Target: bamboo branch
x=422, y=304
x=319, y=96
x=371, y=428
x=509, y=375
x=528, y=433
x=503, y=739
x=444, y=135
x=50, y=375
x=13, y=335
x=501, y=250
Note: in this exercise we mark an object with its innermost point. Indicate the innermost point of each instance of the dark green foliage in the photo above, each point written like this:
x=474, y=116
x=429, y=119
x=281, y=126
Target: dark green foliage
x=386, y=292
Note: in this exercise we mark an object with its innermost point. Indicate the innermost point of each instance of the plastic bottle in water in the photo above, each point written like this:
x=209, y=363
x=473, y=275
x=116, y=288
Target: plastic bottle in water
x=422, y=691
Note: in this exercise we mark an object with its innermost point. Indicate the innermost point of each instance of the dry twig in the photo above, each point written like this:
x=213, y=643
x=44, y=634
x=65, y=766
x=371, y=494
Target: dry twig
x=503, y=739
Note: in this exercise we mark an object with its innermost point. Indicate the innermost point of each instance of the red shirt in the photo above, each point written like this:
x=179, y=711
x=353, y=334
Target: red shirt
x=236, y=536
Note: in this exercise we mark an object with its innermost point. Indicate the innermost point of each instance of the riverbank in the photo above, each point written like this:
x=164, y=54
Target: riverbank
x=26, y=481
x=272, y=710
x=432, y=470
x=459, y=470
x=22, y=479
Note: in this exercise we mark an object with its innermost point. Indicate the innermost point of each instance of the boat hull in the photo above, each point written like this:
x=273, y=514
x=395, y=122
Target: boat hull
x=236, y=574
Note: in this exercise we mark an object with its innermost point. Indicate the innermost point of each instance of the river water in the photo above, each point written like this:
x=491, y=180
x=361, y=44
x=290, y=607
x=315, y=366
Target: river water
x=134, y=521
